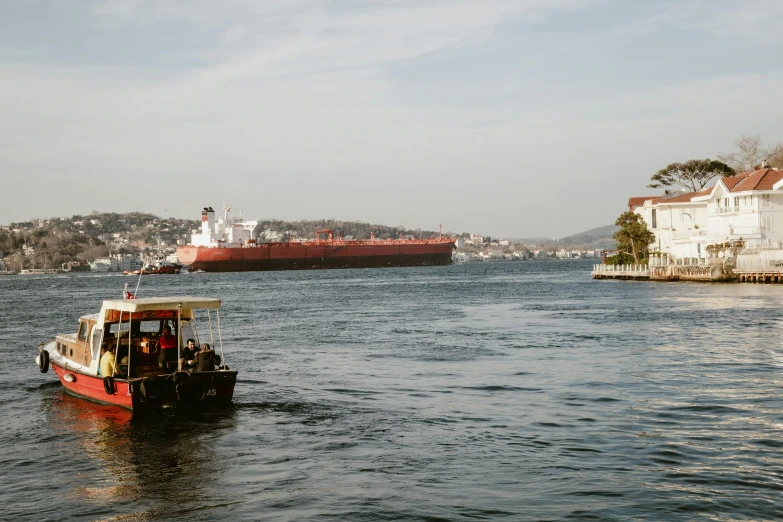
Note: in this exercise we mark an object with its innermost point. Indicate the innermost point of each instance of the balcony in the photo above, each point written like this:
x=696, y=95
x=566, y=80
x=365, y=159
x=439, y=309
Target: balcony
x=724, y=210
x=687, y=234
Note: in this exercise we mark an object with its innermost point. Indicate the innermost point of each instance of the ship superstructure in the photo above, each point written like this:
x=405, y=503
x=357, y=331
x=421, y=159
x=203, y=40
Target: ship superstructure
x=224, y=232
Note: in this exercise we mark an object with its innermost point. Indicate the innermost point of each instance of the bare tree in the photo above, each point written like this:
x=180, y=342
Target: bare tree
x=753, y=153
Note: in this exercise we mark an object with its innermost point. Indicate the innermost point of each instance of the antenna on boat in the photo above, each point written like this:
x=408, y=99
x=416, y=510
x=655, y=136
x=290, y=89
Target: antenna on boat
x=141, y=272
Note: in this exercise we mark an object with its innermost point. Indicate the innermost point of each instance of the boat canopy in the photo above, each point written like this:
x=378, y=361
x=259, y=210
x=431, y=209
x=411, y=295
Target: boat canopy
x=160, y=303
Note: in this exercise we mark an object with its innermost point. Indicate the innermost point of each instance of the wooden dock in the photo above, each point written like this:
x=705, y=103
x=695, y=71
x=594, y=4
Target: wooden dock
x=759, y=276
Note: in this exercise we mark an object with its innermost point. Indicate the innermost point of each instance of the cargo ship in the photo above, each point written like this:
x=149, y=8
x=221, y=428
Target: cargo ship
x=232, y=245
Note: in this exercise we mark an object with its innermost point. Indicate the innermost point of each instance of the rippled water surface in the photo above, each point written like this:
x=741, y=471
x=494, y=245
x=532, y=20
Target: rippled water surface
x=518, y=390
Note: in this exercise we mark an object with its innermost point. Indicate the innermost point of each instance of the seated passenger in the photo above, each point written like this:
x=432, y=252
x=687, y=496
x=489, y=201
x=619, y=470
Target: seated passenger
x=122, y=369
x=168, y=347
x=107, y=362
x=100, y=358
x=187, y=356
x=206, y=359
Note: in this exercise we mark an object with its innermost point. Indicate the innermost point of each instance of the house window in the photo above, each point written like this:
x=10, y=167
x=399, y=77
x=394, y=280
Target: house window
x=725, y=202
x=654, y=219
x=736, y=201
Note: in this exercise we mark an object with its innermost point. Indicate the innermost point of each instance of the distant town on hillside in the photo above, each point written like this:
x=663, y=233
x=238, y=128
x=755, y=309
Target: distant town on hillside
x=107, y=241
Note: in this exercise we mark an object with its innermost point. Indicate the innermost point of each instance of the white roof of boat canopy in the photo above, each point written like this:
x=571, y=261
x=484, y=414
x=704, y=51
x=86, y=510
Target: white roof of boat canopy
x=160, y=303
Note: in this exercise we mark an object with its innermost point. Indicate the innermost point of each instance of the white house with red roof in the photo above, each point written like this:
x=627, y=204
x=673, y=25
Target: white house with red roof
x=679, y=221
x=747, y=207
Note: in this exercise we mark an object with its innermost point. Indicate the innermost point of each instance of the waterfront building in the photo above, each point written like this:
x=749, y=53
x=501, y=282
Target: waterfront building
x=747, y=207
x=100, y=265
x=679, y=221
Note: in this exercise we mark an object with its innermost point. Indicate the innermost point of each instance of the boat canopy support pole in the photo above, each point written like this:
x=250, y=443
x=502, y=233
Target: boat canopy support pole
x=220, y=337
x=130, y=345
x=179, y=331
x=117, y=349
x=211, y=333
x=195, y=327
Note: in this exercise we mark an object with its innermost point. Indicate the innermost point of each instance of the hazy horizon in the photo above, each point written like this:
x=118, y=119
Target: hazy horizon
x=525, y=118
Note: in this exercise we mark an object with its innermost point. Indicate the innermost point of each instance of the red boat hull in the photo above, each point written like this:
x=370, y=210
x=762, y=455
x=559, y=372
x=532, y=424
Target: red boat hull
x=219, y=386
x=318, y=255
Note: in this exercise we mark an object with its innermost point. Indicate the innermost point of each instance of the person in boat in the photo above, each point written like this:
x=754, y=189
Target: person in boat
x=167, y=345
x=100, y=357
x=206, y=359
x=188, y=355
x=107, y=362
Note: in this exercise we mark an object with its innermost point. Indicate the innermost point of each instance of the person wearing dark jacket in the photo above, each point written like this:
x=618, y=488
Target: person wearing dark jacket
x=187, y=357
x=206, y=359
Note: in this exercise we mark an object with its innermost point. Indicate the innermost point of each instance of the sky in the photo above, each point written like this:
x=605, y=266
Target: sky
x=509, y=118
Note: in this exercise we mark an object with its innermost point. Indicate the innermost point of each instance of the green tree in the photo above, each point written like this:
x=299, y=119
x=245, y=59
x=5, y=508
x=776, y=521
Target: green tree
x=633, y=237
x=692, y=175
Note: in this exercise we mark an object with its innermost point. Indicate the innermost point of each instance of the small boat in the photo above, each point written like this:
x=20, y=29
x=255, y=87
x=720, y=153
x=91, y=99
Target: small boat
x=132, y=327
x=157, y=268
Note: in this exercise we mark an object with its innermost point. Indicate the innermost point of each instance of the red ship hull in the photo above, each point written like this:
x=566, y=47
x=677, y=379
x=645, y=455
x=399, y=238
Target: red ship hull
x=127, y=394
x=318, y=255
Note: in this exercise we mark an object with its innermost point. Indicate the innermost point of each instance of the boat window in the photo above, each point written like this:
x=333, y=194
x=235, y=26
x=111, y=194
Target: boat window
x=83, y=332
x=97, y=334
x=115, y=327
x=149, y=326
x=188, y=333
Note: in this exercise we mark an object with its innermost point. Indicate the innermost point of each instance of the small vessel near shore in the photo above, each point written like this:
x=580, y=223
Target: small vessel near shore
x=230, y=245
x=165, y=268
x=156, y=265
x=141, y=378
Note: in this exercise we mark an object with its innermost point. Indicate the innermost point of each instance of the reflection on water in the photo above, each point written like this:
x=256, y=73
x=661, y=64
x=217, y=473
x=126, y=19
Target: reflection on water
x=163, y=460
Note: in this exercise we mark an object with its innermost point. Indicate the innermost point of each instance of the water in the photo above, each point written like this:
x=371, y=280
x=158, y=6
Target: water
x=518, y=391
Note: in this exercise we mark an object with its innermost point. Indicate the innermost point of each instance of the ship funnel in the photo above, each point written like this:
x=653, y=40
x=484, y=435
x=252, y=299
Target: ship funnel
x=207, y=221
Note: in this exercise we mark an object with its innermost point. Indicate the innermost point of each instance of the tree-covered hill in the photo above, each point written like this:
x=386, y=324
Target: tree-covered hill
x=355, y=229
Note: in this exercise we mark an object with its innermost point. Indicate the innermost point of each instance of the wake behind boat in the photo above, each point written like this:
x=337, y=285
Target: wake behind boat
x=137, y=332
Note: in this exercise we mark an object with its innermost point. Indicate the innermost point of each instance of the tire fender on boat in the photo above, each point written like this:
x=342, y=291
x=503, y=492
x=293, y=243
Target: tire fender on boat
x=152, y=389
x=190, y=392
x=108, y=385
x=43, y=361
x=179, y=377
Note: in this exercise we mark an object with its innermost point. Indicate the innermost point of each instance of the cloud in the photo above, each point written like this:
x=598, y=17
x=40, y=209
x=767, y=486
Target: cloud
x=235, y=33
x=293, y=110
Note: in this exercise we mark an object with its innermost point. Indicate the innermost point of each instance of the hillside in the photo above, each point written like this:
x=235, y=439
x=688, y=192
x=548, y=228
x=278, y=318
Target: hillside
x=593, y=239
x=600, y=237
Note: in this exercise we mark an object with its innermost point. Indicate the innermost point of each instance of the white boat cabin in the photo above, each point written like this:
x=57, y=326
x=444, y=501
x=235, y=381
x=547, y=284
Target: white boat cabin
x=133, y=327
